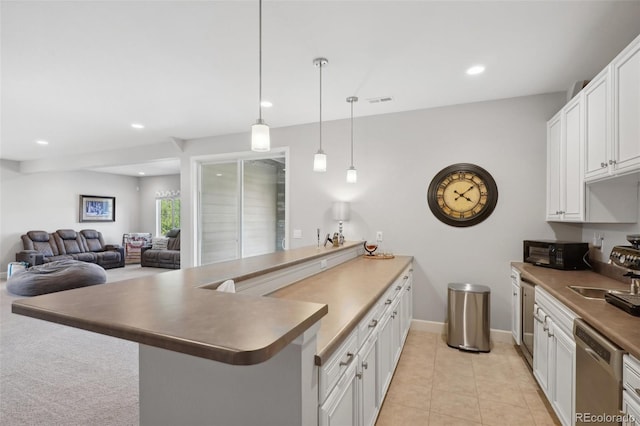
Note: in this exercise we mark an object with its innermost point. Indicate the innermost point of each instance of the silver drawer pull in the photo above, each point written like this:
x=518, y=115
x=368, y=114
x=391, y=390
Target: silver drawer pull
x=349, y=359
x=409, y=288
x=388, y=302
x=406, y=277
x=411, y=270
x=637, y=391
x=545, y=328
x=365, y=365
x=373, y=323
x=359, y=375
x=398, y=287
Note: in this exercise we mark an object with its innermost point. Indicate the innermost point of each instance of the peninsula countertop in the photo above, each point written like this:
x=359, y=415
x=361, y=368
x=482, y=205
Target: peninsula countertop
x=173, y=311
x=620, y=327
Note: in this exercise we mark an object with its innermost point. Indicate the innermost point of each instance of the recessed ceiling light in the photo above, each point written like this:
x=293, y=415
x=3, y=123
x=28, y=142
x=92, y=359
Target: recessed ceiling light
x=141, y=173
x=137, y=126
x=476, y=69
x=42, y=142
x=266, y=104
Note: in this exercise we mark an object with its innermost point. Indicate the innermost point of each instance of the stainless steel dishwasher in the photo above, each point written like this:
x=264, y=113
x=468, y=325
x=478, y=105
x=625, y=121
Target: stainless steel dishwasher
x=598, y=377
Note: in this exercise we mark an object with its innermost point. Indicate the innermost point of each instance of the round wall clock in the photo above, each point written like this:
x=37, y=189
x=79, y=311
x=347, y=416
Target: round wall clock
x=462, y=194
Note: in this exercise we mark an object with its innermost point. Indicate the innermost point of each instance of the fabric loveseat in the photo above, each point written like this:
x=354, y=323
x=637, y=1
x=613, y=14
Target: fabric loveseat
x=87, y=246
x=159, y=257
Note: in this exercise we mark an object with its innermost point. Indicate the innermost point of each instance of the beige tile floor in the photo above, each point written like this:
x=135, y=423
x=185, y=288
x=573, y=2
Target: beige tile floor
x=438, y=385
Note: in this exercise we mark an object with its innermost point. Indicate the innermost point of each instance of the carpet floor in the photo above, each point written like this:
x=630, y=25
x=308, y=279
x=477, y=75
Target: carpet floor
x=51, y=374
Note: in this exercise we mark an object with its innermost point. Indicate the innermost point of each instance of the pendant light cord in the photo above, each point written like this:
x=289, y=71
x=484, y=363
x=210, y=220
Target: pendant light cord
x=351, y=133
x=320, y=105
x=260, y=61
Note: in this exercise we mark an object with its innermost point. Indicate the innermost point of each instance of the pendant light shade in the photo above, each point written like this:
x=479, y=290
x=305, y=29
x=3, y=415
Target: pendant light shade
x=260, y=139
x=320, y=158
x=352, y=174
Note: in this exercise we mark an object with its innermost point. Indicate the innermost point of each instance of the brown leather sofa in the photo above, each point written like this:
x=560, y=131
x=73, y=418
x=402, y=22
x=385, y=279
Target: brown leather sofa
x=87, y=246
x=163, y=258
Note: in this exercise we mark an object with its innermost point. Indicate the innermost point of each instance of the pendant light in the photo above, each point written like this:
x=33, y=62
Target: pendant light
x=320, y=159
x=260, y=140
x=352, y=174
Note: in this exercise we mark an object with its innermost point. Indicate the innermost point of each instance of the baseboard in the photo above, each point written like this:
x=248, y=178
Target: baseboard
x=497, y=336
x=3, y=276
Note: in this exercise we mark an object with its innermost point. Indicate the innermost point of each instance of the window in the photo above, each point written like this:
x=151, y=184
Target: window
x=168, y=215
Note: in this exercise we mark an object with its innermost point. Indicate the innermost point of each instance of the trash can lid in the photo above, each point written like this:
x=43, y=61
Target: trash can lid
x=469, y=288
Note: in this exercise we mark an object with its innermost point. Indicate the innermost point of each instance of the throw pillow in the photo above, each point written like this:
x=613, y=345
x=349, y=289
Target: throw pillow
x=159, y=243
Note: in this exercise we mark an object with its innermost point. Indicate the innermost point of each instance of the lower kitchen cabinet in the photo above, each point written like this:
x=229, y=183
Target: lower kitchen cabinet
x=554, y=354
x=631, y=391
x=365, y=370
x=340, y=408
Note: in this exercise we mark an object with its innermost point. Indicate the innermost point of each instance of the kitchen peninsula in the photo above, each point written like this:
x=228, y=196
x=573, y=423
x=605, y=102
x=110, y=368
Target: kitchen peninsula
x=209, y=357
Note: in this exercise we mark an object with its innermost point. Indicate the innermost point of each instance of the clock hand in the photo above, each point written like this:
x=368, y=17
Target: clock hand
x=462, y=195
x=470, y=188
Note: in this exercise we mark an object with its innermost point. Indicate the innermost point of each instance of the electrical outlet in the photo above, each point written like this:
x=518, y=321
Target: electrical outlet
x=379, y=236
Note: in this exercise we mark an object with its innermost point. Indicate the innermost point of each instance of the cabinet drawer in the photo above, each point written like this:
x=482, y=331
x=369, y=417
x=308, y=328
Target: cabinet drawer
x=631, y=377
x=562, y=316
x=631, y=410
x=342, y=358
x=369, y=323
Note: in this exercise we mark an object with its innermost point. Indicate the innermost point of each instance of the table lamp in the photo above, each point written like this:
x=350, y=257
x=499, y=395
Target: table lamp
x=341, y=213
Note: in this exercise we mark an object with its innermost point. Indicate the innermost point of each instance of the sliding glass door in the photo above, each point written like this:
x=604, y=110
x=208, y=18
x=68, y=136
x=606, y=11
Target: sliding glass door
x=241, y=208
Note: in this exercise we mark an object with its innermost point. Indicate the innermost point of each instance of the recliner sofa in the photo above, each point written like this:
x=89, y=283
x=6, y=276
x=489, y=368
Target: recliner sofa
x=163, y=258
x=87, y=246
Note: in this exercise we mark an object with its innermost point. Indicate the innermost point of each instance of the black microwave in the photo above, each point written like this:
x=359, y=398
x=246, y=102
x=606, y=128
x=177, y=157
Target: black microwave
x=564, y=255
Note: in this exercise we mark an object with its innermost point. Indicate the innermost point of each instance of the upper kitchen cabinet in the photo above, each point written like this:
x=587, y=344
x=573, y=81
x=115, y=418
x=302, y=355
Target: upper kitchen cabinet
x=612, y=118
x=565, y=183
x=625, y=157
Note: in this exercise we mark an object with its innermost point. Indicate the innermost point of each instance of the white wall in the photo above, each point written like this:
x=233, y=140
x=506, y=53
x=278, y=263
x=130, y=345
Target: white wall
x=50, y=201
x=149, y=187
x=397, y=155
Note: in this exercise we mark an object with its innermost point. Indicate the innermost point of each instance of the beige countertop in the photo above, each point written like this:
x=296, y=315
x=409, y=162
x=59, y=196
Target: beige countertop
x=350, y=290
x=620, y=327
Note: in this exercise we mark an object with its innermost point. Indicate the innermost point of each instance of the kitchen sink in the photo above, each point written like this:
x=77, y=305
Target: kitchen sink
x=594, y=292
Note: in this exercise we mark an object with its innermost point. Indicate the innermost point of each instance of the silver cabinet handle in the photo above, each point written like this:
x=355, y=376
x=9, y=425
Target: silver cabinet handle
x=409, y=288
x=603, y=164
x=515, y=294
x=406, y=277
x=388, y=302
x=365, y=365
x=349, y=359
x=359, y=376
x=373, y=323
x=513, y=276
x=637, y=391
x=411, y=270
x=545, y=328
x=398, y=287
x=612, y=162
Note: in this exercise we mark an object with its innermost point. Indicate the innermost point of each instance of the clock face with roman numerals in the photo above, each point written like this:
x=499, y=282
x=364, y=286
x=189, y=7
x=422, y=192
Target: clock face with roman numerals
x=462, y=194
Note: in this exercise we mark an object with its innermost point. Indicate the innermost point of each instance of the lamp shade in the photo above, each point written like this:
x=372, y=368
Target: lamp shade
x=260, y=140
x=341, y=211
x=352, y=175
x=320, y=162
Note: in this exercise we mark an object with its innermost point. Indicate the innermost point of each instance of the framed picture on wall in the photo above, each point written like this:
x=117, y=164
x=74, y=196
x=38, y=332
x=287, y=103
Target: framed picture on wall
x=95, y=208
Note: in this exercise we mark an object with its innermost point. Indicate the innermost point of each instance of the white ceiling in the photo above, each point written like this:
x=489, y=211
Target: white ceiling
x=77, y=74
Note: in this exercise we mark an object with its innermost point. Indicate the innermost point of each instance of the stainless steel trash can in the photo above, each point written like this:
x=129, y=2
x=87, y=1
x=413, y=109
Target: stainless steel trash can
x=468, y=316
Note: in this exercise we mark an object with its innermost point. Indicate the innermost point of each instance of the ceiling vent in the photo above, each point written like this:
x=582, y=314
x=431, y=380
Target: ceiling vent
x=380, y=99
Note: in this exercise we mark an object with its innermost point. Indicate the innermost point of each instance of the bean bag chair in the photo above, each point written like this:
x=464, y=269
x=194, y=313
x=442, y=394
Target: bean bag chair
x=55, y=276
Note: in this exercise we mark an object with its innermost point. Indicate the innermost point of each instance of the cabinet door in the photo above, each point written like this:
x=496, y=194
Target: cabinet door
x=597, y=137
x=406, y=309
x=572, y=192
x=369, y=398
x=384, y=345
x=341, y=406
x=516, y=325
x=396, y=332
x=563, y=359
x=554, y=138
x=631, y=410
x=626, y=95
x=541, y=348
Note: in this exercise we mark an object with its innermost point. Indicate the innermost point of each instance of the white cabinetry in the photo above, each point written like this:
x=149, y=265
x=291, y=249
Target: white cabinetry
x=597, y=108
x=565, y=179
x=631, y=390
x=554, y=354
x=516, y=317
x=354, y=381
x=626, y=110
